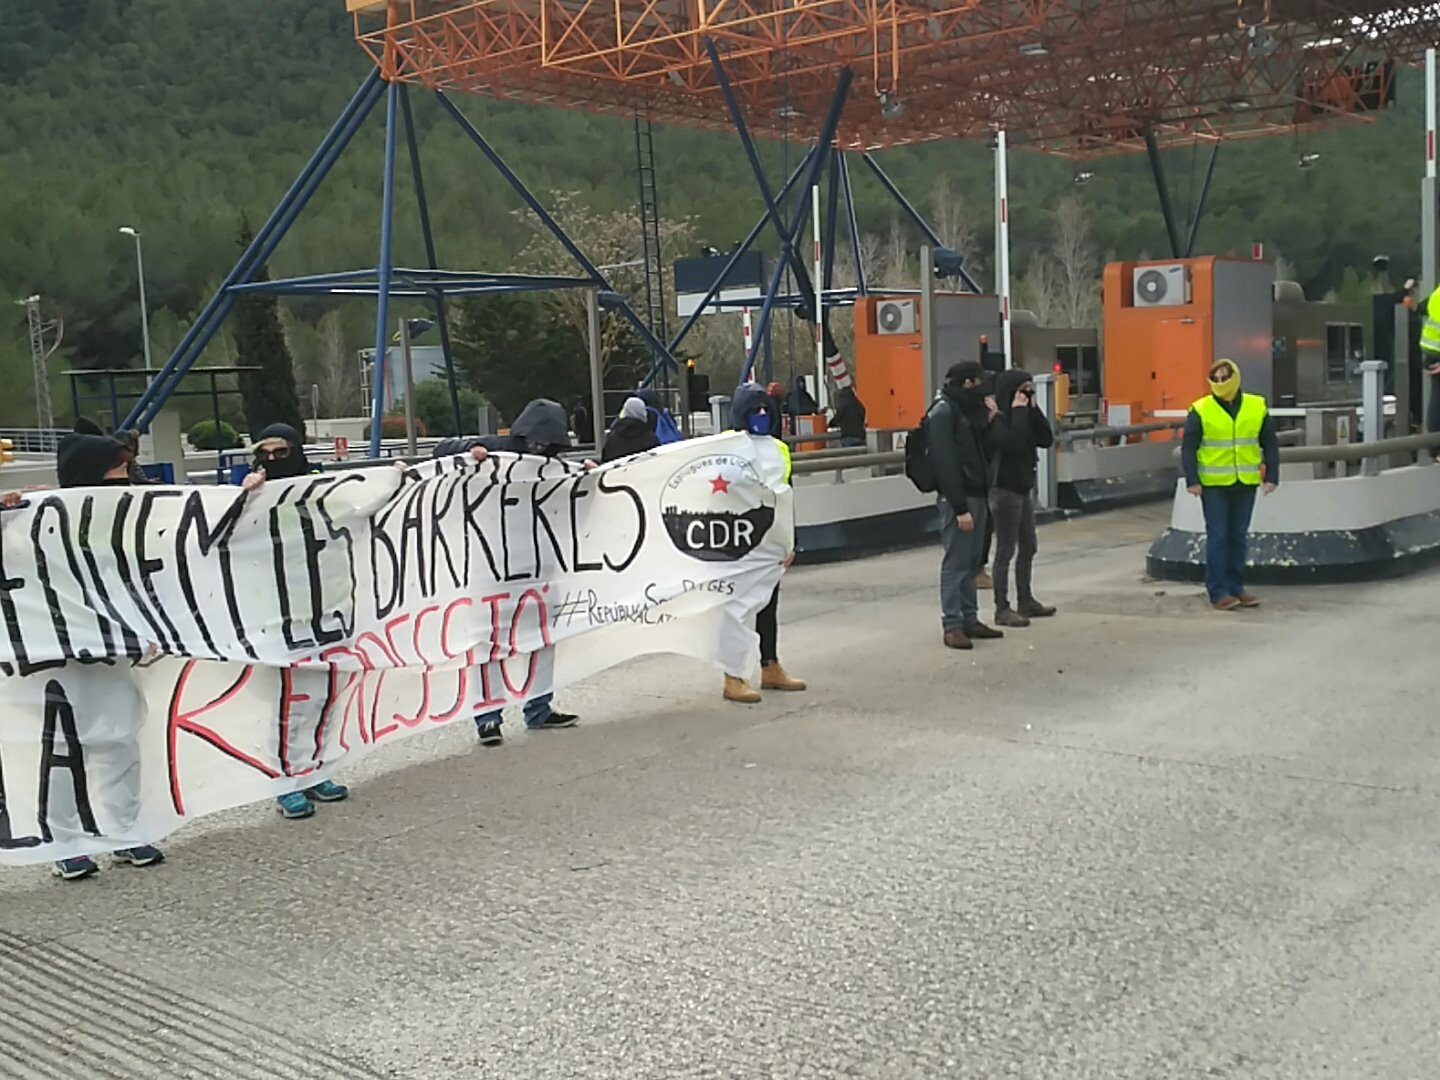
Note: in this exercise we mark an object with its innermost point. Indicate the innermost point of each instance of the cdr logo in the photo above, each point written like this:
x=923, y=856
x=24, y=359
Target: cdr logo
x=717, y=508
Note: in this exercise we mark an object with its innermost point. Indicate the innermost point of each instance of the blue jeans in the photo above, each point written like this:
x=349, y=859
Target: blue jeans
x=959, y=563
x=1227, y=520
x=535, y=711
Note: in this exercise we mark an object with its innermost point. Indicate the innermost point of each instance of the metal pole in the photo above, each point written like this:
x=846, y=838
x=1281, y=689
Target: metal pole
x=822, y=392
x=597, y=380
x=1002, y=259
x=410, y=447
x=1047, y=474
x=1200, y=202
x=1167, y=210
x=144, y=308
x=1400, y=356
x=1429, y=242
x=1372, y=403
x=927, y=323
x=852, y=223
x=382, y=273
x=429, y=237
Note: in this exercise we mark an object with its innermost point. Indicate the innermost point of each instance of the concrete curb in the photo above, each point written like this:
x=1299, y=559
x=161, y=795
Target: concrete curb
x=1392, y=549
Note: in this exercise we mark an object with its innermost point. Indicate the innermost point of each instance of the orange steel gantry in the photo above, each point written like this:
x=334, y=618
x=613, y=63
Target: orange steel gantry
x=1070, y=76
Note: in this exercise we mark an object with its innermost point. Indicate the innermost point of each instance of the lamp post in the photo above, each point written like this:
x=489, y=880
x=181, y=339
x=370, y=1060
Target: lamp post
x=144, y=311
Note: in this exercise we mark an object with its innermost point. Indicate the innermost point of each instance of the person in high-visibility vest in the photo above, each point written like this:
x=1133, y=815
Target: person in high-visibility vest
x=1430, y=358
x=1229, y=451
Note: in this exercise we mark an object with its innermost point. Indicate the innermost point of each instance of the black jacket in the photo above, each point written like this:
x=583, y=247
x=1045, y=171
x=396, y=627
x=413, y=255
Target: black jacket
x=849, y=418
x=956, y=435
x=628, y=437
x=1195, y=432
x=1015, y=435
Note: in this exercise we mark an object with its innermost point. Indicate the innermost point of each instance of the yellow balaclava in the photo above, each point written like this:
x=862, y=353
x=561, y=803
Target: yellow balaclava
x=1226, y=389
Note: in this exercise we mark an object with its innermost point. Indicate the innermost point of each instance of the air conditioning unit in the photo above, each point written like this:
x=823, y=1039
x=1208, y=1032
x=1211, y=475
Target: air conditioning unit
x=895, y=317
x=1162, y=286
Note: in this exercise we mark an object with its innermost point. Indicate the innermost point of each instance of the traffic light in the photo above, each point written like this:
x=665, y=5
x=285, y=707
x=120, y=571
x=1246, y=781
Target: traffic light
x=7, y=451
x=697, y=385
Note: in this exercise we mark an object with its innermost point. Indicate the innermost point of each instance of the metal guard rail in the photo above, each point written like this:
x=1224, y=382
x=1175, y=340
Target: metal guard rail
x=806, y=464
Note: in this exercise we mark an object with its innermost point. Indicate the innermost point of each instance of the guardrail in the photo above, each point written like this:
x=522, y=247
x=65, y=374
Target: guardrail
x=34, y=440
x=860, y=458
x=1119, y=431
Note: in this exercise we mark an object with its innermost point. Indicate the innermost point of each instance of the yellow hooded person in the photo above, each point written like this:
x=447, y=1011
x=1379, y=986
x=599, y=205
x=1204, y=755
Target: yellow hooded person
x=1229, y=451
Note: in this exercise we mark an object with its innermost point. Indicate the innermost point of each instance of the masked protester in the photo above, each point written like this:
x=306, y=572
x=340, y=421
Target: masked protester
x=86, y=461
x=752, y=411
x=632, y=432
x=280, y=455
x=1017, y=432
x=540, y=431
x=956, y=428
x=849, y=417
x=1228, y=452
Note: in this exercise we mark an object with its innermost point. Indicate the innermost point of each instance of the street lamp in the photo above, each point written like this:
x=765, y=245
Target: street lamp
x=126, y=230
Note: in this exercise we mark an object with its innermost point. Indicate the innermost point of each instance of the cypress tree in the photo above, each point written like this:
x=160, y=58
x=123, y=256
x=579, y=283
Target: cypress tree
x=268, y=394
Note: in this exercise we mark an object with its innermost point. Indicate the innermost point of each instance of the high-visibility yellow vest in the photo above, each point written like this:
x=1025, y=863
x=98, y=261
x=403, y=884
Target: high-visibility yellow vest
x=1430, y=331
x=785, y=452
x=1230, y=447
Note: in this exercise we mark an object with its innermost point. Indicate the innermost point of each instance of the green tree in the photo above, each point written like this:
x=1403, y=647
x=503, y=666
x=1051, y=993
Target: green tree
x=516, y=347
x=269, y=394
x=432, y=408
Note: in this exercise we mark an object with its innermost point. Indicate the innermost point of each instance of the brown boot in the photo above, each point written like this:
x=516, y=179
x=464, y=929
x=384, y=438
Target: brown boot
x=737, y=690
x=981, y=632
x=956, y=639
x=1033, y=609
x=1248, y=600
x=1226, y=603
x=1011, y=617
x=775, y=677
x=983, y=579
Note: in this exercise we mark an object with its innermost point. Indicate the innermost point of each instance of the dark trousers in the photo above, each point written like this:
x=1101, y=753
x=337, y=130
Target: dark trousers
x=1013, y=519
x=1227, y=521
x=767, y=625
x=989, y=541
x=1432, y=418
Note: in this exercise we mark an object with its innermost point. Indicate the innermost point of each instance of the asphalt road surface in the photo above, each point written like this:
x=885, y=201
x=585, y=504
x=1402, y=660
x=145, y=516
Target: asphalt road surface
x=1140, y=840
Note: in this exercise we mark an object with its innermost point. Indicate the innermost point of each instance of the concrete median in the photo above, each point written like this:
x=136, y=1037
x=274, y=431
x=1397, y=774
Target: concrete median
x=1355, y=528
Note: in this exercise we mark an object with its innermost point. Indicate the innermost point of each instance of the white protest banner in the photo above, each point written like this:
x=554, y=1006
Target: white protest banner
x=172, y=652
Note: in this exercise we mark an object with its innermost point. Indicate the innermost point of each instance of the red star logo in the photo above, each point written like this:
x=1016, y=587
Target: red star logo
x=719, y=486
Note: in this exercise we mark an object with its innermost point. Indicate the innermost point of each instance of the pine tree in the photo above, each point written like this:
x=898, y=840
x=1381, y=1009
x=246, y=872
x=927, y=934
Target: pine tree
x=269, y=394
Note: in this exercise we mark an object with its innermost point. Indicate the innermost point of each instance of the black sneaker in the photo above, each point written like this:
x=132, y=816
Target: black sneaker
x=555, y=721
x=491, y=735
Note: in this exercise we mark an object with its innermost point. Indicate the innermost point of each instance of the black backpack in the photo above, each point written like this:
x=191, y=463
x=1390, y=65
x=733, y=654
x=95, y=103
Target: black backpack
x=918, y=466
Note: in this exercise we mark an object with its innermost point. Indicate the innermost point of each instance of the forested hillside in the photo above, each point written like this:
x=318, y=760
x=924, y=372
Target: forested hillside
x=178, y=117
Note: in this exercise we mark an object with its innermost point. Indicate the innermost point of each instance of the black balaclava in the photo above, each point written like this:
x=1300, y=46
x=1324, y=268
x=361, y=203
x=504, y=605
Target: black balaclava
x=291, y=463
x=971, y=399
x=83, y=460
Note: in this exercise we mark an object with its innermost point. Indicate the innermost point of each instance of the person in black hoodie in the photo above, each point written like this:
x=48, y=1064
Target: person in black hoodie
x=956, y=429
x=279, y=454
x=541, y=431
x=632, y=432
x=849, y=417
x=1019, y=429
x=83, y=460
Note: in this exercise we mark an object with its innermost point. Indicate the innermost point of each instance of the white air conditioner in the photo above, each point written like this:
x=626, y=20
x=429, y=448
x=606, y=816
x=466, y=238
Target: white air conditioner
x=1162, y=286
x=895, y=317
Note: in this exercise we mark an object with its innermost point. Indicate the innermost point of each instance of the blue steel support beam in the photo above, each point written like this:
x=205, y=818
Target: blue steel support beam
x=737, y=254
x=913, y=214
x=832, y=217
x=382, y=302
x=1162, y=188
x=553, y=226
x=214, y=313
x=812, y=174
x=429, y=237
x=1201, y=201
x=852, y=222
